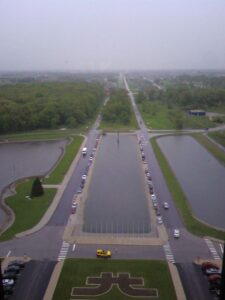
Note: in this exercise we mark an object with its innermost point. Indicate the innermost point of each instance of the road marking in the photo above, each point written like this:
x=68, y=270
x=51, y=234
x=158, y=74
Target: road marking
x=63, y=251
x=212, y=249
x=74, y=246
x=8, y=253
x=221, y=248
x=168, y=253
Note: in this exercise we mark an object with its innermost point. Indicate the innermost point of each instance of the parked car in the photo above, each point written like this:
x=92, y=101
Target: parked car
x=79, y=191
x=10, y=275
x=215, y=278
x=73, y=208
x=153, y=197
x=15, y=269
x=158, y=212
x=17, y=263
x=84, y=177
x=211, y=271
x=166, y=205
x=155, y=205
x=8, y=290
x=159, y=220
x=176, y=233
x=208, y=264
x=103, y=253
x=8, y=282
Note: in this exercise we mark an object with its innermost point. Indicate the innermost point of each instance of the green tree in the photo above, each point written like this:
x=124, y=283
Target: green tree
x=37, y=189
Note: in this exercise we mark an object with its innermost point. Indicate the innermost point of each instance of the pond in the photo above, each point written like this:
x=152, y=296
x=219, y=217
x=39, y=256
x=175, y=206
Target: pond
x=116, y=200
x=25, y=159
x=201, y=176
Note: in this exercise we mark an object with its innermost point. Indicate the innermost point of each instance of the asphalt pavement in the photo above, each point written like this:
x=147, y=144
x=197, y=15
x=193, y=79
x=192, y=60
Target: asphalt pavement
x=45, y=245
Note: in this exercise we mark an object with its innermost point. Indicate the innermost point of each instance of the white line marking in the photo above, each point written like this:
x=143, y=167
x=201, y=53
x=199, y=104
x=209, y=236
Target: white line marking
x=221, y=248
x=8, y=253
x=74, y=246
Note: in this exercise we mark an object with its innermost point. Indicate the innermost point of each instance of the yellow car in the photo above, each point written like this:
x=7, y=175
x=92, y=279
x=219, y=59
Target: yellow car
x=103, y=253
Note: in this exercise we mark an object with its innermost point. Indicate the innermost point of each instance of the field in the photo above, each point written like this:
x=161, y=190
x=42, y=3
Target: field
x=154, y=275
x=159, y=116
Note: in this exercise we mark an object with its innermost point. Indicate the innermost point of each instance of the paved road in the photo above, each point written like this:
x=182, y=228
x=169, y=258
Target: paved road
x=46, y=245
x=33, y=280
x=188, y=248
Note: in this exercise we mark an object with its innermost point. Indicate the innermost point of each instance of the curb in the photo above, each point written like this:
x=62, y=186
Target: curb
x=177, y=282
x=53, y=281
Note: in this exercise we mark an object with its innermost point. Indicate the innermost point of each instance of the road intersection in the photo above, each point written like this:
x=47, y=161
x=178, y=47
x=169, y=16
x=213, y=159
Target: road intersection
x=47, y=244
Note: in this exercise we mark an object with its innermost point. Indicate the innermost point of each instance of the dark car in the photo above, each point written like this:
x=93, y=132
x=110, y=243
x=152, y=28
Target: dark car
x=15, y=269
x=8, y=290
x=17, y=263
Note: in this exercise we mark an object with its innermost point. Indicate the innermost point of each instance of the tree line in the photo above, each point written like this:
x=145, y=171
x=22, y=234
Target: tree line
x=184, y=97
x=118, y=108
x=25, y=107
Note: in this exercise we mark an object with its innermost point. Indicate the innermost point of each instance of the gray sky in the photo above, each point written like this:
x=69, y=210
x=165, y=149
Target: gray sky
x=112, y=34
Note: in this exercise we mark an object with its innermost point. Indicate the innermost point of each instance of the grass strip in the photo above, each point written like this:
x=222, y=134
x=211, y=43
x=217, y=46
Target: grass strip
x=211, y=147
x=27, y=212
x=75, y=271
x=192, y=224
x=62, y=167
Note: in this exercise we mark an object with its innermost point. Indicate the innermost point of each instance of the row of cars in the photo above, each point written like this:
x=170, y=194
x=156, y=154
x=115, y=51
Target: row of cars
x=10, y=276
x=176, y=232
x=85, y=173
x=213, y=273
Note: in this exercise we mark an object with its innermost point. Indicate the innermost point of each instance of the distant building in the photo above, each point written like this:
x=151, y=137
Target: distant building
x=197, y=112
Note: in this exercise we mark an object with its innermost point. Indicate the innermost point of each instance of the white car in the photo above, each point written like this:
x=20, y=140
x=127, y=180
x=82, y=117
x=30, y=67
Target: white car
x=84, y=177
x=153, y=197
x=7, y=282
x=176, y=233
x=159, y=220
x=166, y=205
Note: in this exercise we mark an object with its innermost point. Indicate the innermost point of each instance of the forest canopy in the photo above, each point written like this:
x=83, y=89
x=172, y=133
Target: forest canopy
x=26, y=107
x=118, y=109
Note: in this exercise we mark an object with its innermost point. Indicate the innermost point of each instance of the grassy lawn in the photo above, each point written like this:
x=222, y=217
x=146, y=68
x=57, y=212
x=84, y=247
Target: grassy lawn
x=41, y=135
x=218, y=136
x=28, y=212
x=62, y=167
x=159, y=116
x=155, y=273
x=212, y=148
x=192, y=224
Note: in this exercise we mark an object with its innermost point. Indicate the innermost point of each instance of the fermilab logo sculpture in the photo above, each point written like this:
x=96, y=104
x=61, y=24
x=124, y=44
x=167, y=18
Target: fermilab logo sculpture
x=129, y=286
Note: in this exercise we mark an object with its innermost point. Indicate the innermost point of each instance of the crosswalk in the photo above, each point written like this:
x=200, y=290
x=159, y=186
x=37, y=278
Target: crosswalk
x=63, y=251
x=168, y=253
x=212, y=249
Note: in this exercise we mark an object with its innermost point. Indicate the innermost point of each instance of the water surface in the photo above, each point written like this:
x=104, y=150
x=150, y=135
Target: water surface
x=117, y=202
x=201, y=176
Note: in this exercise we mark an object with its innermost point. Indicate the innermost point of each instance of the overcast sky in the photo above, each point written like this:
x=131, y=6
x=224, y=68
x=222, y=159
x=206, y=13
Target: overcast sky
x=112, y=34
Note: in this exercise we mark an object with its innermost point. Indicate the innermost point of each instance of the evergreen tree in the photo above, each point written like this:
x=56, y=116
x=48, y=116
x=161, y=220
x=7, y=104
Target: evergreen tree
x=37, y=189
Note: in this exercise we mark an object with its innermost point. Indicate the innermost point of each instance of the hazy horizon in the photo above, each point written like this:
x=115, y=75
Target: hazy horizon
x=106, y=35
